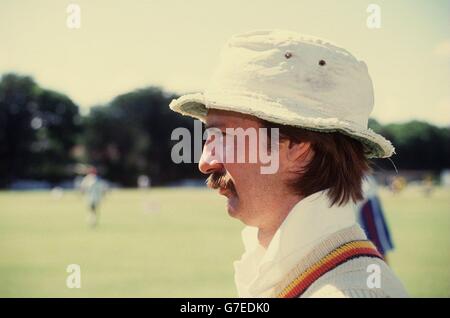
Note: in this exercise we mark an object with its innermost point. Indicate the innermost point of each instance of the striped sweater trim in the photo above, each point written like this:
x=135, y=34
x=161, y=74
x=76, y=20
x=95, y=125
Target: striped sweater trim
x=319, y=251
x=342, y=254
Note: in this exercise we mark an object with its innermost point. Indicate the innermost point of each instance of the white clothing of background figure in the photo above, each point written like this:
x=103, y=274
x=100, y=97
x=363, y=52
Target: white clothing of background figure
x=94, y=189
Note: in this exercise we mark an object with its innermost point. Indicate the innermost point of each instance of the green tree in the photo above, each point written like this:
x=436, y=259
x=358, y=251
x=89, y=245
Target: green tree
x=38, y=128
x=418, y=145
x=131, y=136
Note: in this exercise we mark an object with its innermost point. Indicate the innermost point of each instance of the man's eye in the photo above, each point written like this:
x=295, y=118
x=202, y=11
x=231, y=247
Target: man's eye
x=214, y=136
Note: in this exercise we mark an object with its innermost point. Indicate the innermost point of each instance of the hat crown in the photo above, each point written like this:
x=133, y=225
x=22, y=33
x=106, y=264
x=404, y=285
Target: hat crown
x=306, y=76
x=295, y=80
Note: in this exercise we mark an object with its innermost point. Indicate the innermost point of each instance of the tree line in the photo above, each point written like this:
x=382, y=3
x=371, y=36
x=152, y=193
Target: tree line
x=43, y=136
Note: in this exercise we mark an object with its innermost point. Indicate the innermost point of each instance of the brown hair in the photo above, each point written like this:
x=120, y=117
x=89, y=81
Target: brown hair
x=339, y=164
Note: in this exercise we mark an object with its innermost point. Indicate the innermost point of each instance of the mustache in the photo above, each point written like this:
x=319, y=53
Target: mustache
x=218, y=180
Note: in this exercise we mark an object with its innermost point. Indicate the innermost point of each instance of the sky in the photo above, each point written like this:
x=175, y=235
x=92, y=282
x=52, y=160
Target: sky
x=125, y=45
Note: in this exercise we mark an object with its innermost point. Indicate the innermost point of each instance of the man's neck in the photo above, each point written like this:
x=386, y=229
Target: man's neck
x=269, y=227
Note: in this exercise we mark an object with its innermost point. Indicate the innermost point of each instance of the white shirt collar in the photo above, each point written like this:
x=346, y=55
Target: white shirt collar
x=308, y=223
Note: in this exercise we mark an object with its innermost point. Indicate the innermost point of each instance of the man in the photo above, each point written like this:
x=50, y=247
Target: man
x=301, y=239
x=94, y=189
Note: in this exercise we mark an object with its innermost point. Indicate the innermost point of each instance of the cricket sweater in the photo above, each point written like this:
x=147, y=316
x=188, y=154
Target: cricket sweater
x=345, y=265
x=314, y=234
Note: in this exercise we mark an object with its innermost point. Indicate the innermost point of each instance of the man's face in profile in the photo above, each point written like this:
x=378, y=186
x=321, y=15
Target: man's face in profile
x=248, y=191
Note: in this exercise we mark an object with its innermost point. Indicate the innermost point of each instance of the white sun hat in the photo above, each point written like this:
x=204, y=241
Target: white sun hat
x=291, y=79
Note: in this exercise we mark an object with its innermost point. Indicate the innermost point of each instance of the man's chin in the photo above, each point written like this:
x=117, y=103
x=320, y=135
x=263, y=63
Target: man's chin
x=232, y=206
x=232, y=202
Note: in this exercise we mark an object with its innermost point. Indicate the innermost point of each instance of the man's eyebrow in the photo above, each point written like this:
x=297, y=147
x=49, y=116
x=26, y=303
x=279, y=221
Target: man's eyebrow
x=214, y=125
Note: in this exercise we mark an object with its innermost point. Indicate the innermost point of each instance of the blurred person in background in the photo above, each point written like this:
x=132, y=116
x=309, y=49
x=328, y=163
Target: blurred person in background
x=370, y=216
x=144, y=182
x=398, y=184
x=94, y=189
x=428, y=185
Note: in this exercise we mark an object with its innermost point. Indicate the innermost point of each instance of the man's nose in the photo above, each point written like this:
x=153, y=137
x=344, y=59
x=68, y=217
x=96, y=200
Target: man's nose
x=209, y=162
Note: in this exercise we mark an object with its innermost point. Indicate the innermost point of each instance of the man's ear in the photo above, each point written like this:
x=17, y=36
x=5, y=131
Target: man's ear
x=298, y=154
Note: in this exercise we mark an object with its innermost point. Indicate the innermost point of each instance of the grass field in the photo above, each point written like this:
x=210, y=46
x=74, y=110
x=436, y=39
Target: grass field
x=179, y=243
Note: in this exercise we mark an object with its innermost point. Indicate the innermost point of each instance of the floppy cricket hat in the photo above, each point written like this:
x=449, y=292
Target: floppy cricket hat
x=291, y=79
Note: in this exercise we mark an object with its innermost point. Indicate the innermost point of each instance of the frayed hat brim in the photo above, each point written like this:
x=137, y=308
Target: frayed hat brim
x=196, y=106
